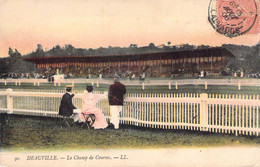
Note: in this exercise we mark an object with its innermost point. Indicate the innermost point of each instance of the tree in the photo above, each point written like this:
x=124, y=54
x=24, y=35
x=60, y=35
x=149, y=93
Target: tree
x=202, y=46
x=39, y=51
x=16, y=64
x=187, y=47
x=4, y=68
x=151, y=45
x=133, y=46
x=39, y=48
x=69, y=49
x=17, y=54
x=10, y=52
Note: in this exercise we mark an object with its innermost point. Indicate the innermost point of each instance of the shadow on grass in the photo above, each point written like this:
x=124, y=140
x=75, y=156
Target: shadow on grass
x=21, y=133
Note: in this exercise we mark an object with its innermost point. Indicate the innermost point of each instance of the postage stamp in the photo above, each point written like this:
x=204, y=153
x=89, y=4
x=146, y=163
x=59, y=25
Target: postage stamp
x=233, y=18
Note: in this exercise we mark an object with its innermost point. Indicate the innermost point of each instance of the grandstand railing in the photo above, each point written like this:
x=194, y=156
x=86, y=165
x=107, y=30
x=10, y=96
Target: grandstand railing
x=221, y=113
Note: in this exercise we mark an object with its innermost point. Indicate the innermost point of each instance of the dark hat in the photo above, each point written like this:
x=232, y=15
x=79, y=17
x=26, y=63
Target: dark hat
x=89, y=88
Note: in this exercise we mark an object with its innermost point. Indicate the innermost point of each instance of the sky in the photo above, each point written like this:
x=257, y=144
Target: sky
x=103, y=23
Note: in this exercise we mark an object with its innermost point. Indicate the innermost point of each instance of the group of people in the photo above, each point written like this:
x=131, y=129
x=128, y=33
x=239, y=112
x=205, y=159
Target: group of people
x=115, y=96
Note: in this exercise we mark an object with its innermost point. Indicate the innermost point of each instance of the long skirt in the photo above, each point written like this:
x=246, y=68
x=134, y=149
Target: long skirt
x=100, y=120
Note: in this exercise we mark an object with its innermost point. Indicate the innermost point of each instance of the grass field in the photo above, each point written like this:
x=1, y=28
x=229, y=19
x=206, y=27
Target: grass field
x=21, y=133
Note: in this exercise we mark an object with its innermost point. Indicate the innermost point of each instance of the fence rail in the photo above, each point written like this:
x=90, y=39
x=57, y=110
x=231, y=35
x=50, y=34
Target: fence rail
x=221, y=113
x=169, y=83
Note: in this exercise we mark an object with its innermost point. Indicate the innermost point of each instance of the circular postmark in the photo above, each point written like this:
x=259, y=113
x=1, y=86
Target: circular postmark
x=232, y=17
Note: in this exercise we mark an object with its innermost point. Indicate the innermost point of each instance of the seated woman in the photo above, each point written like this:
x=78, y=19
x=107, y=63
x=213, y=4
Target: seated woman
x=89, y=107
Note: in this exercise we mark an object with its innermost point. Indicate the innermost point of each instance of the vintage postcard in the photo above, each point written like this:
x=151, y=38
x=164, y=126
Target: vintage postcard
x=129, y=83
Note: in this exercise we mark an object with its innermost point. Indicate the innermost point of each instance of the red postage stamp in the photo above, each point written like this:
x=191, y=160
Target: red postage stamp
x=234, y=17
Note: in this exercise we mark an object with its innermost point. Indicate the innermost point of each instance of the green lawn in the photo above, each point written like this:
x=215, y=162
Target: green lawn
x=21, y=133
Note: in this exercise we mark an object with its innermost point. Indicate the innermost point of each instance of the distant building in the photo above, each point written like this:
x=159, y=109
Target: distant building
x=160, y=64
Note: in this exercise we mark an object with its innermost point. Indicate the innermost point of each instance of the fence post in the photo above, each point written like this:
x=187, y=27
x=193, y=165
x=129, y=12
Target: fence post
x=16, y=82
x=19, y=82
x=204, y=112
x=5, y=82
x=206, y=85
x=9, y=101
x=72, y=83
x=143, y=85
x=97, y=84
x=176, y=85
x=239, y=86
x=38, y=83
x=54, y=83
x=92, y=83
x=170, y=85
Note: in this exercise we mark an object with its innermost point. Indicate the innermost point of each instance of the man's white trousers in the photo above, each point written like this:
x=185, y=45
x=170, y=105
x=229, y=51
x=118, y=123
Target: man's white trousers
x=114, y=113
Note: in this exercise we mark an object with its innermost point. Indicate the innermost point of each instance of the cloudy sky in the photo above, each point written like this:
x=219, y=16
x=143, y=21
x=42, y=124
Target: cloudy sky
x=96, y=23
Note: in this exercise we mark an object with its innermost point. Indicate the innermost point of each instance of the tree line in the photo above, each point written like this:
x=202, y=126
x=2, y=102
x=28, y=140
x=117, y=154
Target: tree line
x=69, y=50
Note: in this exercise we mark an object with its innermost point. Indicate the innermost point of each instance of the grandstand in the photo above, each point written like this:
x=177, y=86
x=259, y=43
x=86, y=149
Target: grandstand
x=156, y=64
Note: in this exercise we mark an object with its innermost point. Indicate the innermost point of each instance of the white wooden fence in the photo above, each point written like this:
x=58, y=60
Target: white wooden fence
x=238, y=114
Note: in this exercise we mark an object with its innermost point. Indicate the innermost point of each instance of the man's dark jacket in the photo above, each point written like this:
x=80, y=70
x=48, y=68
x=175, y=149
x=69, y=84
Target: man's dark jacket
x=66, y=106
x=116, y=94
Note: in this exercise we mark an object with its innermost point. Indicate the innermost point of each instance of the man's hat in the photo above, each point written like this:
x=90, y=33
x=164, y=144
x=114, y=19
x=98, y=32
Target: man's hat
x=89, y=86
x=116, y=76
x=69, y=86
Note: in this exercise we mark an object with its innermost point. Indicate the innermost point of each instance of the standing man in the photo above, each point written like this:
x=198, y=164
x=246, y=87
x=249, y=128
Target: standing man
x=66, y=106
x=116, y=98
